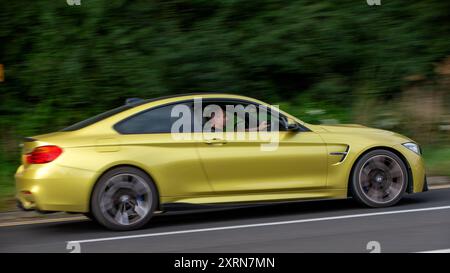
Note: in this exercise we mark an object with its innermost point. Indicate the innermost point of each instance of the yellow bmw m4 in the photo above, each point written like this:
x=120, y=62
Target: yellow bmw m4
x=121, y=166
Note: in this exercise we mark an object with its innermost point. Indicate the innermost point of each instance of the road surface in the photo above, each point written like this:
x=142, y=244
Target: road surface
x=420, y=222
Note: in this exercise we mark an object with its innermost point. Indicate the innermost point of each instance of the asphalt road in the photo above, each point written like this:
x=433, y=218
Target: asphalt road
x=420, y=222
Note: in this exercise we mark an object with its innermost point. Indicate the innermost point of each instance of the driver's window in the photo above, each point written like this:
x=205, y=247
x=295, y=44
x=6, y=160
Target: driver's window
x=239, y=116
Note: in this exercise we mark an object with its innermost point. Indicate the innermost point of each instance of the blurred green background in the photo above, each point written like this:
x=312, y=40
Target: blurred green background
x=385, y=66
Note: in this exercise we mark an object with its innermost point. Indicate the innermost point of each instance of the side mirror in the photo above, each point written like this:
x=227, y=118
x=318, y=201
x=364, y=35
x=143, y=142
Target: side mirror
x=291, y=125
x=132, y=100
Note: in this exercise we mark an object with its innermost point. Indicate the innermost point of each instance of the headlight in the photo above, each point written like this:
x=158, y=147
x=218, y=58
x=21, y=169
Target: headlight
x=413, y=147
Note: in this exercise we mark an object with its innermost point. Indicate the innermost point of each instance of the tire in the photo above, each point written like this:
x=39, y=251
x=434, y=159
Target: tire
x=379, y=179
x=123, y=199
x=89, y=216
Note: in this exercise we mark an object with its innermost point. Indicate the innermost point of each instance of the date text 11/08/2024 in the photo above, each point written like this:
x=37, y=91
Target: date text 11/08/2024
x=225, y=263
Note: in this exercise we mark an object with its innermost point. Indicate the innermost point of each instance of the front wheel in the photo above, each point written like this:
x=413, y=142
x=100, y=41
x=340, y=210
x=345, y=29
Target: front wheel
x=124, y=199
x=379, y=179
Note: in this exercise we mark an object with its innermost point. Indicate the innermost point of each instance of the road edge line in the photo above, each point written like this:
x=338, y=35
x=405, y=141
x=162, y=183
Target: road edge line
x=255, y=225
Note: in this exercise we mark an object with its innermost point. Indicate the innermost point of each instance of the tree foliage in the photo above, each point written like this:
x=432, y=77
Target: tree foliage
x=64, y=63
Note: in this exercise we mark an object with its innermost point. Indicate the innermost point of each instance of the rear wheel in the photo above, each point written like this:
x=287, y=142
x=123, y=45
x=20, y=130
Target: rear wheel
x=379, y=179
x=124, y=199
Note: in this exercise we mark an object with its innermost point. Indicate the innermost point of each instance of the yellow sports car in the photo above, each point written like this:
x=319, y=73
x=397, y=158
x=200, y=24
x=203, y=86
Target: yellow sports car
x=122, y=166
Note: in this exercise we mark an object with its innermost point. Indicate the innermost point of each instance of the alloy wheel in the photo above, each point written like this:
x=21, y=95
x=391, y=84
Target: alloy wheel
x=381, y=179
x=126, y=199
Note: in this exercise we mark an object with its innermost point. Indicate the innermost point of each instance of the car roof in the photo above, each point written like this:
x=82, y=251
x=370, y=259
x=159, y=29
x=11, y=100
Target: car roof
x=107, y=119
x=141, y=104
x=212, y=94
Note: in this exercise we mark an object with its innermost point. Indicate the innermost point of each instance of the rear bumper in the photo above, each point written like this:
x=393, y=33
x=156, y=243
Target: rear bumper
x=50, y=187
x=20, y=205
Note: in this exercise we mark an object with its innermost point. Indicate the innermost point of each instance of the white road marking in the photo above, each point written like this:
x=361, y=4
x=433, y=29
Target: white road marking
x=436, y=251
x=259, y=225
x=437, y=187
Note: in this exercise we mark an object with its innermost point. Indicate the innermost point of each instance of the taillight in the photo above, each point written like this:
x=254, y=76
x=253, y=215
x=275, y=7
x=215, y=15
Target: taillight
x=43, y=154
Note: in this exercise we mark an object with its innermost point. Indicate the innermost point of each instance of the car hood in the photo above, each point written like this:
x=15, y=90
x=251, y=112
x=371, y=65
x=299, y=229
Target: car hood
x=358, y=129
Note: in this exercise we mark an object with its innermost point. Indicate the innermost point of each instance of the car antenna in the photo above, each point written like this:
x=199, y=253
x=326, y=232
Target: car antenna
x=132, y=100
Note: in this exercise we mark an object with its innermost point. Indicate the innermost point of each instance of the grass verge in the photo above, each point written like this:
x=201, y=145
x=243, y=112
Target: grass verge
x=7, y=170
x=437, y=160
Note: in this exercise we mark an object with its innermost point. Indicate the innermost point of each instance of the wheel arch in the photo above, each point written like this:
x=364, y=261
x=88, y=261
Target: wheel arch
x=103, y=172
x=409, y=186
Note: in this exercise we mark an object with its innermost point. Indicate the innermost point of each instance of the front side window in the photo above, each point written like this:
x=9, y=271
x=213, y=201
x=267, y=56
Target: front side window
x=239, y=117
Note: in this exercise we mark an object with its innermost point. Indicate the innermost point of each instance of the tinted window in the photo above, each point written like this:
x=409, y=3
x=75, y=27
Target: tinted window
x=102, y=116
x=96, y=118
x=156, y=120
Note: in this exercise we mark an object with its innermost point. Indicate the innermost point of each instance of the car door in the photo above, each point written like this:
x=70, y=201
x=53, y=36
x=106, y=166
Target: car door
x=147, y=139
x=235, y=165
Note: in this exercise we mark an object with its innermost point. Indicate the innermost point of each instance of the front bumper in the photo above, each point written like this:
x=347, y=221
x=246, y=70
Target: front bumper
x=51, y=187
x=417, y=169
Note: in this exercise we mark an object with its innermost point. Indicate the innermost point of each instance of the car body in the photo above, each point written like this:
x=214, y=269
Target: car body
x=310, y=162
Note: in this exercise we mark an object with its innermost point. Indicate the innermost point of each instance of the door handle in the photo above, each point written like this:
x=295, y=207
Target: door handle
x=215, y=141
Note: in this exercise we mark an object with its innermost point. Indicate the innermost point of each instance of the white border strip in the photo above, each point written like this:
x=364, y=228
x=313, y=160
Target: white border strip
x=258, y=225
x=436, y=251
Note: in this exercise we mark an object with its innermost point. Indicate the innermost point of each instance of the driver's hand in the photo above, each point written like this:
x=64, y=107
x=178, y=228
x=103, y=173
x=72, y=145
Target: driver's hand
x=262, y=126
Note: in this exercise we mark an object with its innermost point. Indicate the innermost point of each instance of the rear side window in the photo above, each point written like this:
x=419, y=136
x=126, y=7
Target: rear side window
x=95, y=119
x=156, y=120
x=102, y=116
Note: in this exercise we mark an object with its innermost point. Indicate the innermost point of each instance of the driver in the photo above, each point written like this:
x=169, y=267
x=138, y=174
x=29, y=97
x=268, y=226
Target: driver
x=219, y=119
